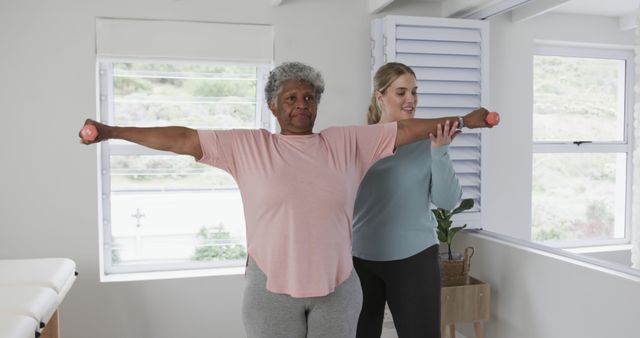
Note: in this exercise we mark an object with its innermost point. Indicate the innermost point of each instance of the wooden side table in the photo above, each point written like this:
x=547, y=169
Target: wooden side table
x=465, y=304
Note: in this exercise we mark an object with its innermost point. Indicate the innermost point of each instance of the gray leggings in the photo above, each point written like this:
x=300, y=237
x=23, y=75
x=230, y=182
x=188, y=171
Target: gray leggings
x=271, y=315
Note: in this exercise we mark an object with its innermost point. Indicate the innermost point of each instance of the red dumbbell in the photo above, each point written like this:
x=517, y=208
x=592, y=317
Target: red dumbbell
x=492, y=118
x=89, y=132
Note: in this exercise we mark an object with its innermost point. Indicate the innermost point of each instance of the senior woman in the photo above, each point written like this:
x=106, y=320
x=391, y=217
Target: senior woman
x=298, y=190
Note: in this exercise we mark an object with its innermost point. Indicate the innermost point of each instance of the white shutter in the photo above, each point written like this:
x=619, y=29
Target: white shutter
x=450, y=58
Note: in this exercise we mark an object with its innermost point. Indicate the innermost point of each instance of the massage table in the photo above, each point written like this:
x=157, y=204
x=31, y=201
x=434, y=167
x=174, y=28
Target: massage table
x=31, y=290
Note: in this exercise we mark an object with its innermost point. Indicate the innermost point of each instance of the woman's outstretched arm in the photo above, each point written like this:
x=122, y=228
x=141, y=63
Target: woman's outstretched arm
x=413, y=130
x=179, y=140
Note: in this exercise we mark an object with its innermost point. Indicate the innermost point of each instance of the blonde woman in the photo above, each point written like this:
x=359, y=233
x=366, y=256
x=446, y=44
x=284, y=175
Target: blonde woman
x=395, y=246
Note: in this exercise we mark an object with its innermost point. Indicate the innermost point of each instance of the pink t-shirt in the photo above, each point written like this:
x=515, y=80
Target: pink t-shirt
x=298, y=194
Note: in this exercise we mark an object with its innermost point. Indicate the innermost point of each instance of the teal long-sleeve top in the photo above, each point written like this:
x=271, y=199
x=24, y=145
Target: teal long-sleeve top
x=392, y=214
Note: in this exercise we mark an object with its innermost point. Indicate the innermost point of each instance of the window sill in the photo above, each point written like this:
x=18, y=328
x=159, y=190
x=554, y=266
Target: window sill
x=600, y=248
x=562, y=254
x=158, y=275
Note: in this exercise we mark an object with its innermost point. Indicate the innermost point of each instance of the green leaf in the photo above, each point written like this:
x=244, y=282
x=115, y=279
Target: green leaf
x=442, y=237
x=440, y=214
x=466, y=204
x=444, y=230
x=455, y=230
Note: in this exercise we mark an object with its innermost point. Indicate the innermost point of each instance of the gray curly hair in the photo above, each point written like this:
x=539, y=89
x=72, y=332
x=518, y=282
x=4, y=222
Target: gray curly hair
x=293, y=71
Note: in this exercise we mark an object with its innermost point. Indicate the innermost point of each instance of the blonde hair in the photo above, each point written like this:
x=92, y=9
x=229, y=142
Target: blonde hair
x=384, y=77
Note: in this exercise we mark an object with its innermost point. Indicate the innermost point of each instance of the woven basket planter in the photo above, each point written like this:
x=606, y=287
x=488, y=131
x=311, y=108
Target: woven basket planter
x=456, y=272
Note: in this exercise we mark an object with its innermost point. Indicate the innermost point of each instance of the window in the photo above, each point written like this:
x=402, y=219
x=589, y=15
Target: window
x=162, y=211
x=581, y=152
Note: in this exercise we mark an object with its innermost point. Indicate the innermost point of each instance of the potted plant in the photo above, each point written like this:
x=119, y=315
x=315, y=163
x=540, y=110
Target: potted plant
x=454, y=270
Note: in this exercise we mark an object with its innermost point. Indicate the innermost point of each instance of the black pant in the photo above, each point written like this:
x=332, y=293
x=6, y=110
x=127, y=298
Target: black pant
x=410, y=286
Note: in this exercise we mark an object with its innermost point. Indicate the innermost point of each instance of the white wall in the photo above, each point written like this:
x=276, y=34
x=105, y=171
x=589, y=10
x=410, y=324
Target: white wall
x=539, y=295
x=48, y=182
x=507, y=165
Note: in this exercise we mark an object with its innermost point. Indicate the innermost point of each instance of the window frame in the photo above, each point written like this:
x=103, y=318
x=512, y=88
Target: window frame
x=625, y=146
x=105, y=113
